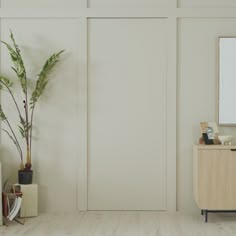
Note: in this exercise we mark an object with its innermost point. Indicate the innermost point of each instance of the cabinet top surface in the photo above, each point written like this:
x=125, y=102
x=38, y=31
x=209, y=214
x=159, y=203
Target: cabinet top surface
x=213, y=146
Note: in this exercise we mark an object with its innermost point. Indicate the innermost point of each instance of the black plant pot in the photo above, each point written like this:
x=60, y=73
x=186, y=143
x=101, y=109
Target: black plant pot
x=25, y=177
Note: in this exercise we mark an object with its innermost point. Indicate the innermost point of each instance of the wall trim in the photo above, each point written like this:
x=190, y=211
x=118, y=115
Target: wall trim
x=120, y=12
x=82, y=108
x=171, y=116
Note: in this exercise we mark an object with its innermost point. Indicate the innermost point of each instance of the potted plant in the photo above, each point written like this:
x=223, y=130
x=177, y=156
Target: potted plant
x=25, y=108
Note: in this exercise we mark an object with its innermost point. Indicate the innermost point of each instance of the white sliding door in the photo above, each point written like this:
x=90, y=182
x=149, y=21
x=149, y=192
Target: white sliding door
x=127, y=60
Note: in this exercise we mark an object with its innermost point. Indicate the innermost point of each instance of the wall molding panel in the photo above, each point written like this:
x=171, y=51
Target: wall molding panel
x=81, y=14
x=114, y=13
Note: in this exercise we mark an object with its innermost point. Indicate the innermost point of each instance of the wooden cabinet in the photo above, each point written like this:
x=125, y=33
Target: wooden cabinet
x=214, y=170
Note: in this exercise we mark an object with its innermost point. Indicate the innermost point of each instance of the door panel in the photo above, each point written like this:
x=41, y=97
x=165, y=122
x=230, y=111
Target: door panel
x=127, y=114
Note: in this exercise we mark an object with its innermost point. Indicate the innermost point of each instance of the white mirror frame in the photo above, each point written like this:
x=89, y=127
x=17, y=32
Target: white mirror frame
x=226, y=81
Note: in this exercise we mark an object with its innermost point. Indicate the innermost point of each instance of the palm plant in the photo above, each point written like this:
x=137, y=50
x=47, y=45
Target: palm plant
x=26, y=109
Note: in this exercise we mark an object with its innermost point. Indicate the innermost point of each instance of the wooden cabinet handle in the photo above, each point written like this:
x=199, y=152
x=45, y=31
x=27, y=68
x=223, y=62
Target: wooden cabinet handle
x=233, y=150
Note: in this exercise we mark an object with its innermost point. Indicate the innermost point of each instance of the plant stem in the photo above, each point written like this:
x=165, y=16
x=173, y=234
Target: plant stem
x=28, y=158
x=21, y=153
x=16, y=141
x=14, y=100
x=31, y=128
x=18, y=149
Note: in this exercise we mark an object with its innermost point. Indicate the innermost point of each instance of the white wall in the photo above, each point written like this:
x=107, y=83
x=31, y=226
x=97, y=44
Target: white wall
x=42, y=3
x=207, y=3
x=60, y=162
x=197, y=91
x=54, y=147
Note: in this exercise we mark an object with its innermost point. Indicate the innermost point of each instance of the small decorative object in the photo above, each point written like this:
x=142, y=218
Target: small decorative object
x=209, y=132
x=201, y=140
x=12, y=202
x=24, y=108
x=225, y=139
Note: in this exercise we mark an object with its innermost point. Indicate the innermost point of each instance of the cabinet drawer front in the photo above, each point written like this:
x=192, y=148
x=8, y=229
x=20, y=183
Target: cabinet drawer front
x=216, y=177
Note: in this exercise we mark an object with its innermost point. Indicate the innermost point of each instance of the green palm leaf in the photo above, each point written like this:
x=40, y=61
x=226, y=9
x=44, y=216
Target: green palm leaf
x=2, y=114
x=5, y=82
x=43, y=77
x=22, y=131
x=18, y=62
x=24, y=127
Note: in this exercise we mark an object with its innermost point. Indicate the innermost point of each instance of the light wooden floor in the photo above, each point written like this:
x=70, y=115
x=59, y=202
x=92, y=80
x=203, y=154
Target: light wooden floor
x=123, y=224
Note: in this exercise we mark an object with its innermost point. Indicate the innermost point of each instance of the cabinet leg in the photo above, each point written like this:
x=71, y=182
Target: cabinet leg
x=206, y=216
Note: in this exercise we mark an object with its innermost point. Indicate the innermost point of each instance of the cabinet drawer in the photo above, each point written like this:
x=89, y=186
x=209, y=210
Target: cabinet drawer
x=215, y=179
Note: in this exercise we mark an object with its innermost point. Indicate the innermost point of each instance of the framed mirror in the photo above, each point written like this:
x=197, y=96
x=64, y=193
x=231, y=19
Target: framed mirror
x=227, y=81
